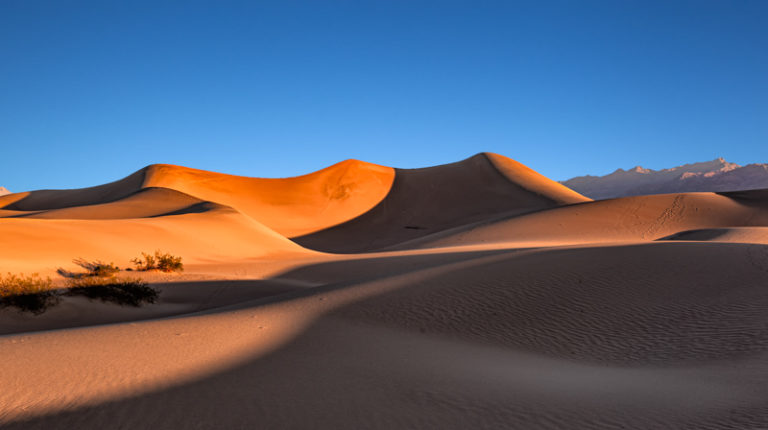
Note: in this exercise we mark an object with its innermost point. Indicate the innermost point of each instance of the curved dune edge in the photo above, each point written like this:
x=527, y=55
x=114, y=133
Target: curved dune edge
x=640, y=218
x=533, y=181
x=290, y=206
x=730, y=234
x=145, y=203
x=41, y=200
x=431, y=199
x=482, y=185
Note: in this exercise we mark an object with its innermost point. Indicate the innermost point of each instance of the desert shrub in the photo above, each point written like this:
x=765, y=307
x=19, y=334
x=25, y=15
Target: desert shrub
x=93, y=268
x=145, y=262
x=123, y=291
x=162, y=261
x=168, y=263
x=27, y=293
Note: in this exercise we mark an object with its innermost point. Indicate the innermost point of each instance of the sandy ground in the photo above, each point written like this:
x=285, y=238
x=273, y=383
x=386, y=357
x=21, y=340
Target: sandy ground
x=517, y=304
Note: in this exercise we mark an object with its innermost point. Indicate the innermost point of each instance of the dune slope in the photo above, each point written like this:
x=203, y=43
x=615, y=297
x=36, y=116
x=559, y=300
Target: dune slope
x=218, y=234
x=594, y=338
x=57, y=199
x=147, y=202
x=428, y=200
x=625, y=219
x=290, y=206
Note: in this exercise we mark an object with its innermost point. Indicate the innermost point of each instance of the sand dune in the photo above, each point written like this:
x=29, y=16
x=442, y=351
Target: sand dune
x=290, y=206
x=477, y=294
x=145, y=203
x=42, y=245
x=57, y=199
x=429, y=200
x=626, y=219
x=607, y=337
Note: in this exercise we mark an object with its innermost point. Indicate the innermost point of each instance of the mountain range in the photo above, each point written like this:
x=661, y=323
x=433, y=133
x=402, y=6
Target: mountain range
x=710, y=176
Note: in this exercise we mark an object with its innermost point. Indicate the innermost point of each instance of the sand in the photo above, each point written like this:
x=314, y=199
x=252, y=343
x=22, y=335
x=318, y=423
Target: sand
x=513, y=302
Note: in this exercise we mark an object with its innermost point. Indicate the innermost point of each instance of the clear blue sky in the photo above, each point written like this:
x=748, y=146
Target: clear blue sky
x=92, y=91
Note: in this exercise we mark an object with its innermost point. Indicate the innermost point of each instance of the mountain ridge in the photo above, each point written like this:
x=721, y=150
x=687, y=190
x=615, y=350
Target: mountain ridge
x=708, y=176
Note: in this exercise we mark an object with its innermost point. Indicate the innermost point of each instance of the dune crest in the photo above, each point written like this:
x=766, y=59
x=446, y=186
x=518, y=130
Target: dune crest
x=431, y=199
x=291, y=206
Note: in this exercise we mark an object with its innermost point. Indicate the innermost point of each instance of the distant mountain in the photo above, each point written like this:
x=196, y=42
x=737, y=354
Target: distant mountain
x=4, y=191
x=715, y=175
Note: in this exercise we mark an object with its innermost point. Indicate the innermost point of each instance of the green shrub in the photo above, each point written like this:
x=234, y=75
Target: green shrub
x=27, y=293
x=123, y=291
x=162, y=261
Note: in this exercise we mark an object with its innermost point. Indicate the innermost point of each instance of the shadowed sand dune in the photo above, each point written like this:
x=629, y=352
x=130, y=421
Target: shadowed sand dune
x=484, y=296
x=731, y=234
x=624, y=219
x=428, y=200
x=609, y=337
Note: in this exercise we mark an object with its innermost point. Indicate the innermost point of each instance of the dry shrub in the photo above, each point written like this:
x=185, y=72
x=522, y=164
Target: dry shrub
x=123, y=291
x=163, y=261
x=27, y=293
x=93, y=268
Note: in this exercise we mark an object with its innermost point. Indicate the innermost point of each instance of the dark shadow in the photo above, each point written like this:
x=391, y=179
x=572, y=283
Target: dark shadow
x=193, y=209
x=696, y=235
x=755, y=198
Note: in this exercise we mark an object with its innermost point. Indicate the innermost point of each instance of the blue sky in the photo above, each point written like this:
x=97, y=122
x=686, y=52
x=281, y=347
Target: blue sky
x=92, y=91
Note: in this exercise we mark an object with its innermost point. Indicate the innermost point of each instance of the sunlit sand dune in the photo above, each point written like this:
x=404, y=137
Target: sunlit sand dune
x=290, y=206
x=477, y=294
x=429, y=200
x=217, y=234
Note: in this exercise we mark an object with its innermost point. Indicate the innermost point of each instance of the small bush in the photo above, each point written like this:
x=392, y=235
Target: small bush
x=93, y=268
x=27, y=293
x=168, y=263
x=162, y=261
x=123, y=291
x=145, y=262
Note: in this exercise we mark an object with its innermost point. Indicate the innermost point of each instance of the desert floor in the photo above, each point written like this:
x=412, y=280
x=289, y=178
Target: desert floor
x=478, y=294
